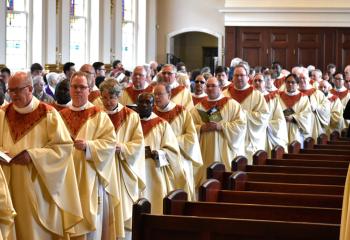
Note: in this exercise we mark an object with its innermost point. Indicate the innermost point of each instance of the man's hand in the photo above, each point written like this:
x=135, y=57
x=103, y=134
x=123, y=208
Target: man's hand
x=23, y=158
x=289, y=119
x=118, y=148
x=211, y=126
x=155, y=155
x=80, y=144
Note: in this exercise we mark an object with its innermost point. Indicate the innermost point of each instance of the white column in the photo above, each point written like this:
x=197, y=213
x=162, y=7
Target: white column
x=2, y=32
x=151, y=30
x=64, y=29
x=105, y=31
x=93, y=31
x=37, y=32
x=49, y=32
x=141, y=32
x=117, y=30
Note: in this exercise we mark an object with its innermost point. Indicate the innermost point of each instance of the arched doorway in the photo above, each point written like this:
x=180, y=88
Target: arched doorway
x=195, y=47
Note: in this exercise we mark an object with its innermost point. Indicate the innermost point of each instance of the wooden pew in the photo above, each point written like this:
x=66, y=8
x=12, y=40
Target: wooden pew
x=175, y=203
x=210, y=191
x=146, y=226
x=239, y=181
x=240, y=163
x=309, y=144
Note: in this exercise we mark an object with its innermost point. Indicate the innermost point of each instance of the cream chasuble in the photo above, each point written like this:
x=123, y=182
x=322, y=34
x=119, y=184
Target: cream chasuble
x=165, y=174
x=301, y=127
x=320, y=107
x=344, y=95
x=221, y=146
x=257, y=112
x=95, y=168
x=182, y=124
x=131, y=160
x=345, y=216
x=180, y=95
x=45, y=192
x=276, y=132
x=337, y=121
x=130, y=94
x=7, y=212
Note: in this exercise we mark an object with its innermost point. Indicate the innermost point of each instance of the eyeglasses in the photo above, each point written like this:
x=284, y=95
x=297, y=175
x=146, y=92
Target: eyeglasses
x=201, y=82
x=79, y=87
x=102, y=69
x=291, y=82
x=212, y=86
x=17, y=90
x=338, y=79
x=258, y=80
x=160, y=94
x=167, y=73
x=239, y=75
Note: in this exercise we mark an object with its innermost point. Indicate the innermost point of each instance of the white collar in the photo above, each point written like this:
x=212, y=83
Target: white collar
x=153, y=115
x=168, y=107
x=52, y=89
x=217, y=99
x=117, y=109
x=174, y=84
x=342, y=89
x=307, y=87
x=244, y=88
x=203, y=94
x=81, y=108
x=34, y=103
x=144, y=87
x=293, y=93
x=272, y=89
x=227, y=82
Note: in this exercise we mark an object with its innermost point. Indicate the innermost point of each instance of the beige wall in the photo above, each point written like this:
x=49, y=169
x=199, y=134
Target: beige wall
x=188, y=46
x=177, y=15
x=287, y=3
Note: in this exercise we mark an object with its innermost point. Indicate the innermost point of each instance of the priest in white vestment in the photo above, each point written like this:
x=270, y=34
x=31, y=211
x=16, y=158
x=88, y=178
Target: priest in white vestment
x=182, y=124
x=254, y=106
x=164, y=170
x=94, y=159
x=221, y=127
x=129, y=150
x=320, y=105
x=276, y=131
x=199, y=90
x=41, y=175
x=7, y=212
x=296, y=109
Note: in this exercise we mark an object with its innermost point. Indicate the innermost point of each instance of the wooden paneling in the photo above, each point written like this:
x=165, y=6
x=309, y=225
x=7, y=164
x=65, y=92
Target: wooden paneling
x=289, y=45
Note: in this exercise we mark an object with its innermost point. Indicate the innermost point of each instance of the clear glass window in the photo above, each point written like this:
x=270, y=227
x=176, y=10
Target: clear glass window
x=77, y=32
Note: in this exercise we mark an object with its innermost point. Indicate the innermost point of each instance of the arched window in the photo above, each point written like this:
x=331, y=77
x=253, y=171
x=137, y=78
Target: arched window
x=78, y=21
x=128, y=33
x=16, y=34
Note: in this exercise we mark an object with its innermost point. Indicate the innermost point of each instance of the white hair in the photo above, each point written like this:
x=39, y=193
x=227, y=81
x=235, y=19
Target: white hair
x=51, y=77
x=37, y=79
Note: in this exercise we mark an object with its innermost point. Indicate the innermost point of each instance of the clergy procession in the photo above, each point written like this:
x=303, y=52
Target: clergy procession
x=79, y=148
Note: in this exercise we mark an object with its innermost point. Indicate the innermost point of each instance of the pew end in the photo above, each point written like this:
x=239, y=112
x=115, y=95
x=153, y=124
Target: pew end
x=209, y=191
x=215, y=171
x=277, y=152
x=322, y=139
x=142, y=206
x=260, y=157
x=309, y=143
x=344, y=132
x=335, y=135
x=237, y=181
x=294, y=147
x=239, y=163
x=174, y=202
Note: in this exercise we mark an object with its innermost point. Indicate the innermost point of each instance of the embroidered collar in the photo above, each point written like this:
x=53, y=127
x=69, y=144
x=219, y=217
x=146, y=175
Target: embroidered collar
x=168, y=107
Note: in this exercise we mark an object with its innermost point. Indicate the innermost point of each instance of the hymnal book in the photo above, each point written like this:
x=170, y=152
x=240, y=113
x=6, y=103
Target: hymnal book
x=287, y=112
x=4, y=157
x=148, y=152
x=212, y=115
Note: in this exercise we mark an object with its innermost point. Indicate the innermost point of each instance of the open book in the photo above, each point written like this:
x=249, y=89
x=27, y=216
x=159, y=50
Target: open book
x=4, y=157
x=287, y=112
x=212, y=115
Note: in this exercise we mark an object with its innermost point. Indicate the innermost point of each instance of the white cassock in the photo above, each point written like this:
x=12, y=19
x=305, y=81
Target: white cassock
x=256, y=109
x=300, y=128
x=221, y=146
x=182, y=124
x=337, y=122
x=165, y=174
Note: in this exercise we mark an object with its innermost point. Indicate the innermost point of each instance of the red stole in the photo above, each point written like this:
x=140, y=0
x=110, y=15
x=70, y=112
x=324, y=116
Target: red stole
x=238, y=95
x=20, y=124
x=279, y=82
x=308, y=92
x=210, y=104
x=147, y=126
x=197, y=100
x=333, y=98
x=290, y=101
x=133, y=93
x=340, y=95
x=58, y=107
x=119, y=118
x=76, y=119
x=93, y=95
x=170, y=115
x=176, y=90
x=270, y=96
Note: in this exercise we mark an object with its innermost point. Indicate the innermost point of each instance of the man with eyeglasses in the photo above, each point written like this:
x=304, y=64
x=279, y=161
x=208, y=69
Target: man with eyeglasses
x=336, y=108
x=320, y=106
x=199, y=90
x=347, y=77
x=221, y=126
x=182, y=124
x=296, y=109
x=139, y=85
x=254, y=106
x=339, y=89
x=94, y=95
x=179, y=94
x=94, y=142
x=129, y=149
x=43, y=185
x=164, y=171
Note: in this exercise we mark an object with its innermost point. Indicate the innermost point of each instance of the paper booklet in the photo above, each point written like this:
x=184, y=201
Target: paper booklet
x=148, y=152
x=287, y=112
x=4, y=157
x=212, y=115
